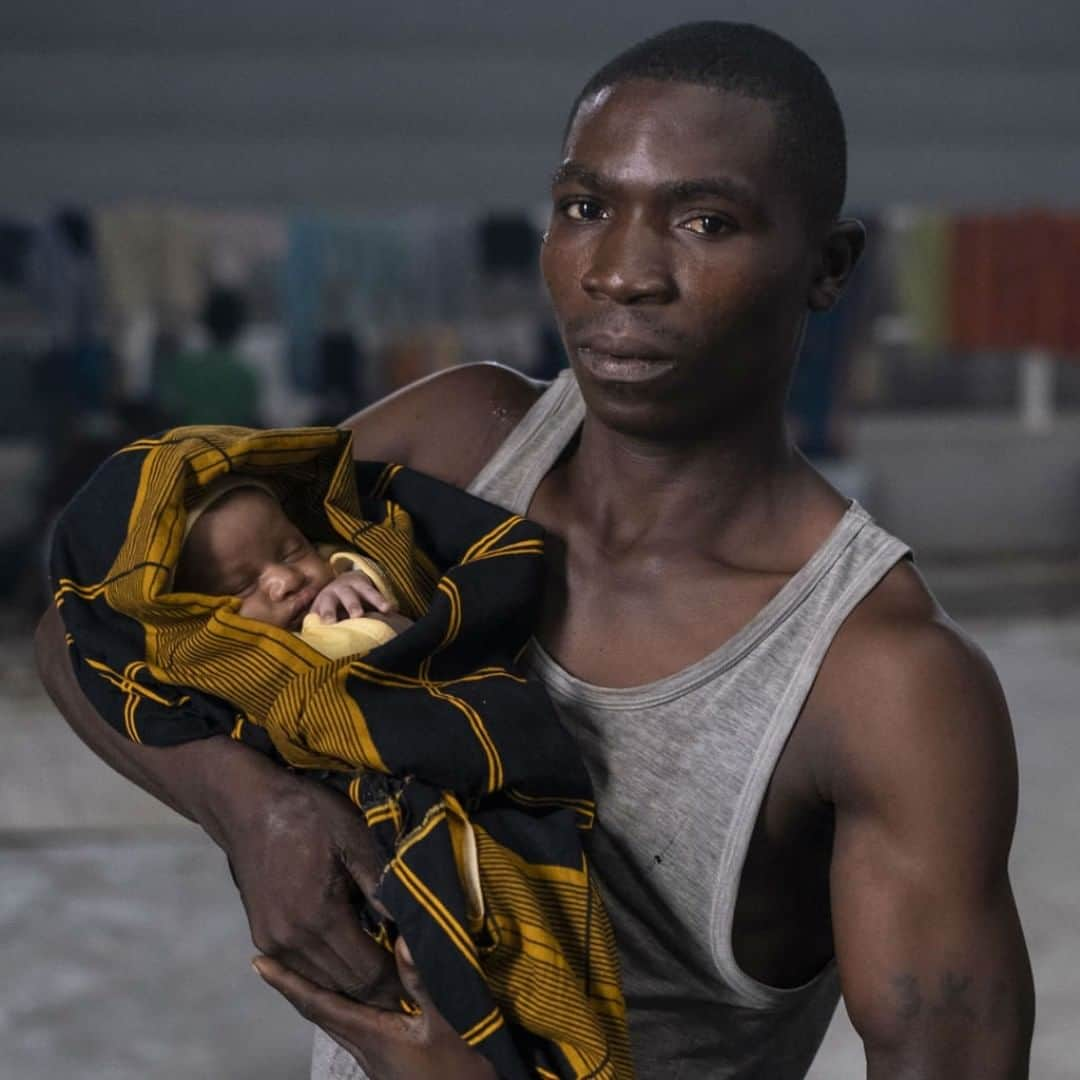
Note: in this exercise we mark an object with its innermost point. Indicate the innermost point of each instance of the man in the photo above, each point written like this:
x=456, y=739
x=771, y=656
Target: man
x=805, y=773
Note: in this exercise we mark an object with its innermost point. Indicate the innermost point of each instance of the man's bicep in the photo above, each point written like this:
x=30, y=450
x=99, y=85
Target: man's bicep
x=931, y=955
x=935, y=978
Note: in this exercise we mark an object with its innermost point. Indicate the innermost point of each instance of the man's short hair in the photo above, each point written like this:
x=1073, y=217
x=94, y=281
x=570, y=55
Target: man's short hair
x=749, y=60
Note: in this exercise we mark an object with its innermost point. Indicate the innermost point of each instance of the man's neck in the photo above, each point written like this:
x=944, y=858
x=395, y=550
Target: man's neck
x=719, y=494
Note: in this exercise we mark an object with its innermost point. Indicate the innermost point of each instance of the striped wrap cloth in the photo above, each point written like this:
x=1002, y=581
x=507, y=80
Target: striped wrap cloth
x=474, y=791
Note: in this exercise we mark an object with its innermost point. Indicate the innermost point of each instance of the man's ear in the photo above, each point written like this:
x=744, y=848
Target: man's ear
x=840, y=252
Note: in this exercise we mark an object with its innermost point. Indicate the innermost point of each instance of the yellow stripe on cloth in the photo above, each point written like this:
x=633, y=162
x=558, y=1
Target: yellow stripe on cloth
x=476, y=723
x=482, y=1029
x=569, y=995
x=453, y=596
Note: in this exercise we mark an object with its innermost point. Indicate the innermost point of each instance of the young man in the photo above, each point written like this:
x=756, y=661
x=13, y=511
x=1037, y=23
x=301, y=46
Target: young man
x=805, y=773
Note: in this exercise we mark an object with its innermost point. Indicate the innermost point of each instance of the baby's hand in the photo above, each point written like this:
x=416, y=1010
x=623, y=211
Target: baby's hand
x=355, y=592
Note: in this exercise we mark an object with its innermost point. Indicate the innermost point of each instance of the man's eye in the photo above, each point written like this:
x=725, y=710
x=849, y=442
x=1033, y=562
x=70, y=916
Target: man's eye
x=708, y=225
x=583, y=210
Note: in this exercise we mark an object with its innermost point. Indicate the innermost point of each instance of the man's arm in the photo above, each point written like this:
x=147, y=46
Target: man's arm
x=922, y=774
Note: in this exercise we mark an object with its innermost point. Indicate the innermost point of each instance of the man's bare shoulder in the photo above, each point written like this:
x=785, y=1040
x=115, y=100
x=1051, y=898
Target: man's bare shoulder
x=447, y=425
x=903, y=687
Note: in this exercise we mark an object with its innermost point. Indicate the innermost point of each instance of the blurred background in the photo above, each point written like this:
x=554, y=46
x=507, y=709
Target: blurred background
x=272, y=212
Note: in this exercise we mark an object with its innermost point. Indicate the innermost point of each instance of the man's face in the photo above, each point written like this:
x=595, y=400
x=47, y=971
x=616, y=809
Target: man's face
x=246, y=547
x=678, y=258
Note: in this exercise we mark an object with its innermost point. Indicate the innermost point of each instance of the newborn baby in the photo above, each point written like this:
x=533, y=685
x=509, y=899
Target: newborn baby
x=238, y=542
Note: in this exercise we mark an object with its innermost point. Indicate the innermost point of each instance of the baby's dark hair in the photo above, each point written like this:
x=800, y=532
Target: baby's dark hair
x=749, y=60
x=215, y=498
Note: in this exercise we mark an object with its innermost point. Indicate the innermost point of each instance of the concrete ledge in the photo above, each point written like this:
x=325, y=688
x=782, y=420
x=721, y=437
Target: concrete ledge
x=1010, y=587
x=973, y=486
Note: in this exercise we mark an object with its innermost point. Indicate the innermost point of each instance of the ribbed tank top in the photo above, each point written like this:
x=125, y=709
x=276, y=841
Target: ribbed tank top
x=680, y=767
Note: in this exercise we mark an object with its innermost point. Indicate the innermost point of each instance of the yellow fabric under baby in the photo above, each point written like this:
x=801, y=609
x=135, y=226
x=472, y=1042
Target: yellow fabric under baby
x=354, y=636
x=349, y=637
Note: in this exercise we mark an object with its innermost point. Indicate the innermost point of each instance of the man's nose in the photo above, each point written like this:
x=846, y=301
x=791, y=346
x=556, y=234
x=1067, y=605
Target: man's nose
x=630, y=265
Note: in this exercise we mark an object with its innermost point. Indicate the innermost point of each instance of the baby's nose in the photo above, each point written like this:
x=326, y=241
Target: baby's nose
x=283, y=580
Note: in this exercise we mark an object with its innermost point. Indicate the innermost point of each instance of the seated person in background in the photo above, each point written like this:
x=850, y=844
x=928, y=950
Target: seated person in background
x=211, y=385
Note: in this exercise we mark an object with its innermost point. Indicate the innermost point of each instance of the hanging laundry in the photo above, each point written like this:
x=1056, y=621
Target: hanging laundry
x=921, y=253
x=1014, y=282
x=62, y=272
x=341, y=272
x=151, y=263
x=1070, y=271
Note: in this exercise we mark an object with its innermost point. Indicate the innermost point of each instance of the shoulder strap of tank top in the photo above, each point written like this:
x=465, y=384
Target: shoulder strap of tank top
x=511, y=476
x=791, y=665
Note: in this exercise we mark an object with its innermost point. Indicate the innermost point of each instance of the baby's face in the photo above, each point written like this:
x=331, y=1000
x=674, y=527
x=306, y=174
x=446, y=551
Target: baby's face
x=245, y=546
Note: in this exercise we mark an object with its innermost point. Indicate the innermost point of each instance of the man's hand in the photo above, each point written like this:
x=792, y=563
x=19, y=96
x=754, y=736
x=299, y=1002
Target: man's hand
x=352, y=592
x=303, y=859
x=388, y=1044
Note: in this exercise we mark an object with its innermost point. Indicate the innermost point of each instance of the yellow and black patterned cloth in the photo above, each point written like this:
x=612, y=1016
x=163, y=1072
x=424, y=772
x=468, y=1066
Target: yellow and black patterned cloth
x=454, y=756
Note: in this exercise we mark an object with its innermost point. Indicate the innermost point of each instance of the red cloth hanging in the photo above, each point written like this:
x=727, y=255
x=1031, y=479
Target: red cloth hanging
x=1015, y=282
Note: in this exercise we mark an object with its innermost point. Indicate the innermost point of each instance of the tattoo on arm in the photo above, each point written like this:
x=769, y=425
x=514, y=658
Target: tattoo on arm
x=908, y=996
x=953, y=997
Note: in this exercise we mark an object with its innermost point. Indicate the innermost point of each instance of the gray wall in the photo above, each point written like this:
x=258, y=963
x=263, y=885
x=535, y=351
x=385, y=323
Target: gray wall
x=364, y=105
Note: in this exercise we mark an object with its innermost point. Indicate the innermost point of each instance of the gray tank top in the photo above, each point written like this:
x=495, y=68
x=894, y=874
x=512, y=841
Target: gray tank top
x=680, y=768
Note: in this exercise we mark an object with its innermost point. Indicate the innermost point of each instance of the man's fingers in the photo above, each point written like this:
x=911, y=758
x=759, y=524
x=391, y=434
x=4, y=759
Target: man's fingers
x=360, y=861
x=323, y=965
x=322, y=970
x=310, y=999
x=410, y=977
x=411, y=982
x=322, y=1007
x=369, y=974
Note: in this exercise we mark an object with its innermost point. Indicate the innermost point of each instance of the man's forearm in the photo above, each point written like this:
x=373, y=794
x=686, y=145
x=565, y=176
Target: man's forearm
x=181, y=776
x=297, y=849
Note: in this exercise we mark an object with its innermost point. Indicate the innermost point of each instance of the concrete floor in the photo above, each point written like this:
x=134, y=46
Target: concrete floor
x=125, y=949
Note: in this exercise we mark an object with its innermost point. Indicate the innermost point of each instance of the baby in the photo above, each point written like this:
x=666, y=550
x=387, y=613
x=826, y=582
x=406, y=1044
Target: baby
x=238, y=542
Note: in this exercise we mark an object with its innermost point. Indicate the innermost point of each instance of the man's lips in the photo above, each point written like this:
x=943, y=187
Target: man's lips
x=624, y=347
x=623, y=359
